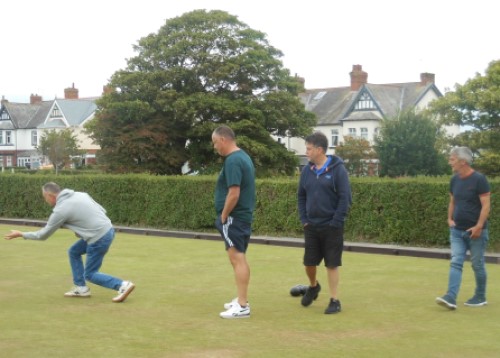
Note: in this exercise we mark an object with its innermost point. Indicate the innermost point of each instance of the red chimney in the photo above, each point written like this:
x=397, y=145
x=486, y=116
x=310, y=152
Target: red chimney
x=71, y=93
x=426, y=78
x=358, y=77
x=35, y=98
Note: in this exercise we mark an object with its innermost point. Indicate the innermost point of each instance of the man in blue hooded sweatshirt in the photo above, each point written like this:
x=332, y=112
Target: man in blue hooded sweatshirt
x=88, y=220
x=324, y=198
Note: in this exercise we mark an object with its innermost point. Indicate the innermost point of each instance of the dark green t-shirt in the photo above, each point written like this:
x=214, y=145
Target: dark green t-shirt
x=238, y=170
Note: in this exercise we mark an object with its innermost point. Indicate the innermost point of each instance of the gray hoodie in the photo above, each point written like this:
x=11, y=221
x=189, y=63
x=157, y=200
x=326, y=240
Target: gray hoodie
x=79, y=213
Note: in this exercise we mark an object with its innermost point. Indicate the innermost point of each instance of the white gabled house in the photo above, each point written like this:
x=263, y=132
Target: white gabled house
x=356, y=110
x=23, y=124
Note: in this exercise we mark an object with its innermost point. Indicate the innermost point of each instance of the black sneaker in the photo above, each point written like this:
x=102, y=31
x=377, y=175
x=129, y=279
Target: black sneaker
x=298, y=290
x=311, y=294
x=333, y=306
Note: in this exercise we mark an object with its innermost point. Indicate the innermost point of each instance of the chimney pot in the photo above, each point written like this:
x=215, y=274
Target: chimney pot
x=35, y=98
x=71, y=92
x=358, y=77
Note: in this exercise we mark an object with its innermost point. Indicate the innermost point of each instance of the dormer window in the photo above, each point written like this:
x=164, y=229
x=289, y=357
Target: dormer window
x=364, y=102
x=4, y=116
x=55, y=112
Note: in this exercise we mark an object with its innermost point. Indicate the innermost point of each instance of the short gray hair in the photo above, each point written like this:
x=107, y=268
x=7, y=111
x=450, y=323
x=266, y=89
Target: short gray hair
x=51, y=187
x=462, y=153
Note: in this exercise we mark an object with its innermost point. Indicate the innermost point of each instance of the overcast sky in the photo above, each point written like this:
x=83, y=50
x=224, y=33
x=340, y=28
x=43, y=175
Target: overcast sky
x=48, y=45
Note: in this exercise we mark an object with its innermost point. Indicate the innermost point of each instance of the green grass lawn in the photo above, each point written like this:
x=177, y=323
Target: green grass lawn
x=388, y=307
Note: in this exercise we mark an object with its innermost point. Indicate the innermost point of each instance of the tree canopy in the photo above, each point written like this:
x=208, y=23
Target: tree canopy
x=357, y=154
x=201, y=70
x=59, y=146
x=476, y=106
x=408, y=146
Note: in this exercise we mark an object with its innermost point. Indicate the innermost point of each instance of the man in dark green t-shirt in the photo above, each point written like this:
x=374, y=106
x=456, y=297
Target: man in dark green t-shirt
x=234, y=204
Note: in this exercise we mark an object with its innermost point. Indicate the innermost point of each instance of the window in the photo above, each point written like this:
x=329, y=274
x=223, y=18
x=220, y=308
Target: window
x=319, y=95
x=24, y=162
x=352, y=132
x=8, y=137
x=364, y=133
x=5, y=116
x=365, y=102
x=1, y=137
x=55, y=112
x=335, y=137
x=34, y=138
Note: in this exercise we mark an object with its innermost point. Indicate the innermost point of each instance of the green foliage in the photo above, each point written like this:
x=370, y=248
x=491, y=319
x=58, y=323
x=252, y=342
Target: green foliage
x=59, y=146
x=407, y=146
x=476, y=106
x=200, y=70
x=405, y=211
x=357, y=154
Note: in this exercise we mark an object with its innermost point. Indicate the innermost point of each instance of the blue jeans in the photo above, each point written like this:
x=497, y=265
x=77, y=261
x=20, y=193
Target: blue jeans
x=461, y=242
x=95, y=254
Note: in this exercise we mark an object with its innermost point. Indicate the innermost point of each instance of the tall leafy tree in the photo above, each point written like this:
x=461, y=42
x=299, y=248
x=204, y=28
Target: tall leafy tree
x=476, y=106
x=200, y=70
x=407, y=146
x=59, y=147
x=357, y=154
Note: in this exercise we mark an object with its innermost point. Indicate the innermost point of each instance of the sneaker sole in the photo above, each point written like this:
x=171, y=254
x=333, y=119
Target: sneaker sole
x=78, y=296
x=235, y=317
x=125, y=294
x=445, y=304
x=475, y=304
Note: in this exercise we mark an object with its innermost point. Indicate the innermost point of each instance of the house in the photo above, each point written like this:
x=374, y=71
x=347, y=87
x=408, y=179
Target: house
x=23, y=124
x=356, y=110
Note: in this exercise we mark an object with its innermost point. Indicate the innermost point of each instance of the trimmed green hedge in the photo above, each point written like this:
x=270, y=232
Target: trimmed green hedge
x=408, y=211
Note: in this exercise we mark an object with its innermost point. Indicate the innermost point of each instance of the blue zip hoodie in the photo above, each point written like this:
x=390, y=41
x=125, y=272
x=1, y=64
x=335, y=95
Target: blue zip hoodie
x=324, y=199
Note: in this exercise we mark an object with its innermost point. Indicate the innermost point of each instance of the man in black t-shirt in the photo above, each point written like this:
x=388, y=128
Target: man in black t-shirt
x=468, y=212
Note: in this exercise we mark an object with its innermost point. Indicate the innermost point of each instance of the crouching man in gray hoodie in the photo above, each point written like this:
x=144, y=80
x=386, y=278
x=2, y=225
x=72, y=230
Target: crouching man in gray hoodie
x=81, y=214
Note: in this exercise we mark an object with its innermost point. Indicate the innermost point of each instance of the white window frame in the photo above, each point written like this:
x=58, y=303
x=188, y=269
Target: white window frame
x=34, y=138
x=364, y=133
x=335, y=138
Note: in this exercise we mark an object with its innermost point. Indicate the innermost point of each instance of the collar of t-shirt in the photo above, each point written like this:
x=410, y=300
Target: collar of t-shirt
x=323, y=168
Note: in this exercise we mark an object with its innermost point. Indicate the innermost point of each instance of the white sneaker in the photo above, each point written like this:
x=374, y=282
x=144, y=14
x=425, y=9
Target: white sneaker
x=230, y=304
x=236, y=311
x=124, y=291
x=78, y=291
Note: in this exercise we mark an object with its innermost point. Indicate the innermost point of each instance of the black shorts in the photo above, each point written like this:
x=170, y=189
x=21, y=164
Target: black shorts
x=235, y=233
x=323, y=242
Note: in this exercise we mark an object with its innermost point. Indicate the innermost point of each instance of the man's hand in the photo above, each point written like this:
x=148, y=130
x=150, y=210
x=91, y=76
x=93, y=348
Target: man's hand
x=13, y=234
x=475, y=231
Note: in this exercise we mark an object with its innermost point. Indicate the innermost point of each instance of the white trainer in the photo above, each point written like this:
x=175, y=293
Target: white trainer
x=125, y=289
x=78, y=291
x=230, y=304
x=236, y=311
